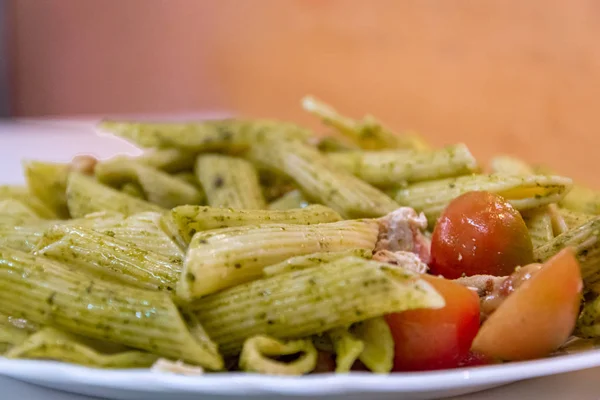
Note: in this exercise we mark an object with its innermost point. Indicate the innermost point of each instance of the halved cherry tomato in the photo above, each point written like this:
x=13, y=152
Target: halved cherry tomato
x=436, y=339
x=538, y=317
x=479, y=233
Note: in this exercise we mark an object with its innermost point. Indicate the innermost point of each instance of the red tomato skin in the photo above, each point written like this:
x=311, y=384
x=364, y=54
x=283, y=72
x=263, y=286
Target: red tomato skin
x=428, y=340
x=479, y=233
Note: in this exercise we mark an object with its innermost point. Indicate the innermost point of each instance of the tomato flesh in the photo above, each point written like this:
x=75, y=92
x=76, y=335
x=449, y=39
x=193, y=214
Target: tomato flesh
x=436, y=339
x=479, y=233
x=538, y=316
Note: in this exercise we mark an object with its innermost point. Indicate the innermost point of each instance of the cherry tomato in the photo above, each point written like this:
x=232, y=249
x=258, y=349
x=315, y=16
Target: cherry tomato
x=436, y=339
x=538, y=316
x=479, y=233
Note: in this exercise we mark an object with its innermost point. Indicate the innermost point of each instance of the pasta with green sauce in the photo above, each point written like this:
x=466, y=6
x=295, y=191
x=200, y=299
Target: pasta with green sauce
x=255, y=245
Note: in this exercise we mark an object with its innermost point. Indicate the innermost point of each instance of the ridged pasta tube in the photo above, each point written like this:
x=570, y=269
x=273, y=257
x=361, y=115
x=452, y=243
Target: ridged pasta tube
x=110, y=258
x=145, y=230
x=231, y=135
x=85, y=196
x=159, y=187
x=321, y=181
x=170, y=160
x=259, y=352
x=52, y=343
x=187, y=220
x=229, y=182
x=369, y=133
x=292, y=199
x=586, y=242
x=15, y=210
x=392, y=168
x=25, y=236
x=313, y=260
x=573, y=219
x=222, y=258
x=49, y=293
x=311, y=301
x=539, y=224
x=582, y=199
x=378, y=352
x=23, y=195
x=510, y=165
x=133, y=189
x=48, y=182
x=523, y=192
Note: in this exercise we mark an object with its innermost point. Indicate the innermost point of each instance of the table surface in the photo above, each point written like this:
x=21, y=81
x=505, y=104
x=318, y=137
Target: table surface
x=58, y=140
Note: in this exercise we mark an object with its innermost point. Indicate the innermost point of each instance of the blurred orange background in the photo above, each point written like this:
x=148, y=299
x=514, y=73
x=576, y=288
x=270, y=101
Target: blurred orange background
x=503, y=76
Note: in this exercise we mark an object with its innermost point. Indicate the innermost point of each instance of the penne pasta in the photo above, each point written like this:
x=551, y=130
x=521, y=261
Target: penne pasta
x=107, y=257
x=321, y=181
x=86, y=196
x=394, y=168
x=217, y=135
x=573, y=219
x=311, y=301
x=583, y=200
x=523, y=192
x=52, y=343
x=539, y=224
x=313, y=260
x=52, y=293
x=292, y=199
x=11, y=209
x=584, y=240
x=378, y=351
x=145, y=230
x=185, y=221
x=369, y=133
x=259, y=353
x=223, y=258
x=13, y=332
x=133, y=189
x=229, y=182
x=23, y=195
x=158, y=187
x=48, y=182
x=170, y=160
x=510, y=165
x=347, y=348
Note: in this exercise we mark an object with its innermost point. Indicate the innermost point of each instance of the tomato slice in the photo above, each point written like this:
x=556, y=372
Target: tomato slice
x=436, y=339
x=538, y=316
x=479, y=233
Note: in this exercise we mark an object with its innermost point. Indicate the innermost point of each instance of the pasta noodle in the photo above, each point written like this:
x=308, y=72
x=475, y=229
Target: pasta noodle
x=523, y=192
x=368, y=133
x=378, y=351
x=187, y=220
x=52, y=293
x=311, y=301
x=218, y=135
x=58, y=345
x=347, y=348
x=258, y=352
x=222, y=258
x=157, y=186
x=320, y=180
x=393, y=168
x=86, y=196
x=110, y=258
x=229, y=182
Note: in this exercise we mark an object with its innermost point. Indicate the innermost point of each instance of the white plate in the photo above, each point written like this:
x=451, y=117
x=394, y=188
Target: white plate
x=59, y=141
x=146, y=385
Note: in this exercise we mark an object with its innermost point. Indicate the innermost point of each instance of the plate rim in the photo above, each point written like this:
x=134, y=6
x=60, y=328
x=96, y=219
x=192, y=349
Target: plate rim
x=229, y=383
